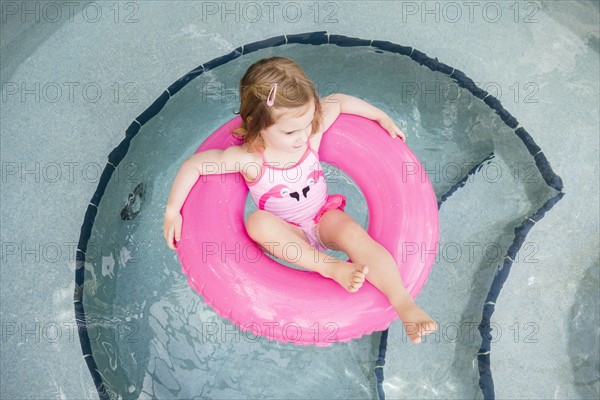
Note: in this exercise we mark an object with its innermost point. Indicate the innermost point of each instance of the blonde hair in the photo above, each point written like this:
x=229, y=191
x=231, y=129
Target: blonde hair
x=294, y=90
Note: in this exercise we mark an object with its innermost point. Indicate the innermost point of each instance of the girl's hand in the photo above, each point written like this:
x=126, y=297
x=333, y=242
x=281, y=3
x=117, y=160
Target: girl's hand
x=172, y=228
x=389, y=125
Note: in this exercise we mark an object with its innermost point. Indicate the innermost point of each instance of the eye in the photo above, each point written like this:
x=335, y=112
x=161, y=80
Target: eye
x=284, y=192
x=310, y=181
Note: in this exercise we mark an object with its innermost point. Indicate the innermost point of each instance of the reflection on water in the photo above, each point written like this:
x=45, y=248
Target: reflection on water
x=195, y=354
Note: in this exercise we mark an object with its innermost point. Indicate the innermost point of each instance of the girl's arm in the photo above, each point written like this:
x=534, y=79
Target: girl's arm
x=343, y=103
x=208, y=162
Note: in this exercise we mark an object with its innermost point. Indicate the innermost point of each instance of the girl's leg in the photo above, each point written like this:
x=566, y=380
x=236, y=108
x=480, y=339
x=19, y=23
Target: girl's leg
x=338, y=230
x=275, y=235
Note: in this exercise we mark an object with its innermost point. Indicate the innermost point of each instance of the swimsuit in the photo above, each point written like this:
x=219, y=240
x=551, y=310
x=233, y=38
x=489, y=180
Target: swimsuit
x=296, y=194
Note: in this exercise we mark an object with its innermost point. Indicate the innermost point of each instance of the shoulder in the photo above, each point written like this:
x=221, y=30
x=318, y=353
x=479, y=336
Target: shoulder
x=241, y=154
x=248, y=161
x=330, y=107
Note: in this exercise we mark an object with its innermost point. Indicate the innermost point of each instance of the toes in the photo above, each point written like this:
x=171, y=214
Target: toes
x=354, y=286
x=361, y=272
x=415, y=335
x=417, y=331
x=356, y=279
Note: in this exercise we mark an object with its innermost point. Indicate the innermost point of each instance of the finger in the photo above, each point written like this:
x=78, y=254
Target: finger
x=170, y=240
x=167, y=236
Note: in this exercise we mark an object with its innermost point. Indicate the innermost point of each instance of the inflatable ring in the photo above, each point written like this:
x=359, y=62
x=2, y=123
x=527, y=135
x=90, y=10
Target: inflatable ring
x=260, y=295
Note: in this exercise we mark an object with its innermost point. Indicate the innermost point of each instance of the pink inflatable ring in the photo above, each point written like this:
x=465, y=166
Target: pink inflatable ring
x=268, y=299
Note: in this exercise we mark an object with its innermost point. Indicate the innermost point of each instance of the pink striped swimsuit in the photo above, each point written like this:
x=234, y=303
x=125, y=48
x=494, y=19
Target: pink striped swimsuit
x=296, y=194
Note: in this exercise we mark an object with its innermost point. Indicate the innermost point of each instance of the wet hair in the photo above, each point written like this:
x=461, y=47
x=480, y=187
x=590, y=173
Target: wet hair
x=294, y=90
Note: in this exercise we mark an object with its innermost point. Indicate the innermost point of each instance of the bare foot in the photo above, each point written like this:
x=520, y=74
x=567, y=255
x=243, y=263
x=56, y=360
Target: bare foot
x=416, y=322
x=350, y=276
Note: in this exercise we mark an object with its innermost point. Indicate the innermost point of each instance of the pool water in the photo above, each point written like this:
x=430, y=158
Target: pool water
x=153, y=336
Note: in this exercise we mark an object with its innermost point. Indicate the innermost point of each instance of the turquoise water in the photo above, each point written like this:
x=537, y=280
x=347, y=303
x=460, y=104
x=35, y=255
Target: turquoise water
x=158, y=338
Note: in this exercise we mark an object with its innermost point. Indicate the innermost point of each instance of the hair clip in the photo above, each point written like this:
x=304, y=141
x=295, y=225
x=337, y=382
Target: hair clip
x=272, y=94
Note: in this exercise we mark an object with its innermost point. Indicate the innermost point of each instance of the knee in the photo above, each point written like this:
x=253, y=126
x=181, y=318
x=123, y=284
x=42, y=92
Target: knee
x=351, y=231
x=258, y=224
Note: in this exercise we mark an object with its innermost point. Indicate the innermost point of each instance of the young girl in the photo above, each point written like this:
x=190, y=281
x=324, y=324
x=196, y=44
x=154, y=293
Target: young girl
x=283, y=124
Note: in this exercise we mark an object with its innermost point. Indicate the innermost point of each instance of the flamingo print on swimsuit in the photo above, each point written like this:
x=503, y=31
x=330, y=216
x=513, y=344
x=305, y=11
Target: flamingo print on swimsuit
x=296, y=193
x=282, y=191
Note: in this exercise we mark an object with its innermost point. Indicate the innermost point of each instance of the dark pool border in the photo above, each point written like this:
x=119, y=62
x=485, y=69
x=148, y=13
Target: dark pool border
x=317, y=38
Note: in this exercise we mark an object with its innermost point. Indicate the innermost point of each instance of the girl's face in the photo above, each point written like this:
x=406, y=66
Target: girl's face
x=291, y=130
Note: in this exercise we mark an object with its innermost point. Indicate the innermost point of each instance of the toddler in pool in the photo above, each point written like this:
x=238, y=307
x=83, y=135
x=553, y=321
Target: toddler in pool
x=283, y=122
